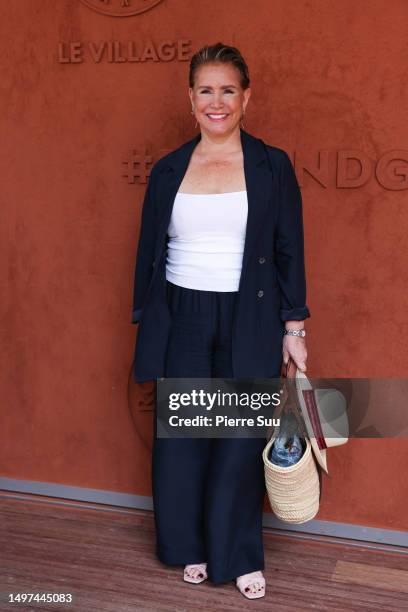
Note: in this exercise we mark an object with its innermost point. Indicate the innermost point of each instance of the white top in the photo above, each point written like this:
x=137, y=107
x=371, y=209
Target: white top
x=206, y=240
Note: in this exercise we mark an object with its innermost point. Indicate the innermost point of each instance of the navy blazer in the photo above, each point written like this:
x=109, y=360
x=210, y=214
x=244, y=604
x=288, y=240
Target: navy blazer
x=272, y=287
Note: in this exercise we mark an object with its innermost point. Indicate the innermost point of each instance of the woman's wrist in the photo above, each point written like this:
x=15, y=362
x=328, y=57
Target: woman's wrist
x=289, y=325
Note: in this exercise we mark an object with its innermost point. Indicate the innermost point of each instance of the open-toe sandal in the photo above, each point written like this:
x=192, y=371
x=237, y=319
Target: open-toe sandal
x=199, y=573
x=251, y=585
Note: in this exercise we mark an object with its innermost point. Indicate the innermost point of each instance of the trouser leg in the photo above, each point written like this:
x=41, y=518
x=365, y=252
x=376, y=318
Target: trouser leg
x=236, y=483
x=234, y=505
x=179, y=468
x=180, y=465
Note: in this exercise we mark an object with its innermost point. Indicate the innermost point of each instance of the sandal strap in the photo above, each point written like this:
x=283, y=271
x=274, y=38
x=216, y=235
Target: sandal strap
x=196, y=566
x=245, y=581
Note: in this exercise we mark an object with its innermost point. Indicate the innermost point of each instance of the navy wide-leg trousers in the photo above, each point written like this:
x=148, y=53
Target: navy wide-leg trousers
x=207, y=492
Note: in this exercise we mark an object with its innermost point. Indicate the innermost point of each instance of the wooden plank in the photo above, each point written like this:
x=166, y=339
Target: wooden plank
x=376, y=576
x=107, y=559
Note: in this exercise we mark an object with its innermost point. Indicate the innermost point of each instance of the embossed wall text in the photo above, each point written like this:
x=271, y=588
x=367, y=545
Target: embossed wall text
x=353, y=168
x=116, y=51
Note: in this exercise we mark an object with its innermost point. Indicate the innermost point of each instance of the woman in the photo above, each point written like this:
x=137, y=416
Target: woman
x=219, y=292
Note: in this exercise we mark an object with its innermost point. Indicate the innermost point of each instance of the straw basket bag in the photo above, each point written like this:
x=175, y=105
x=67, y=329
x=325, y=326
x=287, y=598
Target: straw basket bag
x=293, y=491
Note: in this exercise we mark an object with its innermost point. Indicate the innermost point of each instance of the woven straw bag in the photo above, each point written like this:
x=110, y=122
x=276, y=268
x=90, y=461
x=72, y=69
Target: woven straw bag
x=293, y=491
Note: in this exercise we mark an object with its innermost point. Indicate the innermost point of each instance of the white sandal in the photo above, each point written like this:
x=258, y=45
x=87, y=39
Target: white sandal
x=254, y=579
x=202, y=573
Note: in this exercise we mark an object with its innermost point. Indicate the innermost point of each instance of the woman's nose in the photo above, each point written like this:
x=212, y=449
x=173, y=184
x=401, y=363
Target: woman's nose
x=217, y=102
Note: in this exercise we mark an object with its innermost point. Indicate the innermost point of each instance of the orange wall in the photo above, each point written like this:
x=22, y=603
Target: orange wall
x=325, y=77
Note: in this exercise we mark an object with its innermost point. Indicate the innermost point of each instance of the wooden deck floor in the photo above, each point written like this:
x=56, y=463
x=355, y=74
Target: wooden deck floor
x=105, y=558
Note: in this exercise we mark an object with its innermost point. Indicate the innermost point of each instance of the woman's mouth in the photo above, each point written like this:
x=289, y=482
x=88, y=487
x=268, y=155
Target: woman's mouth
x=217, y=116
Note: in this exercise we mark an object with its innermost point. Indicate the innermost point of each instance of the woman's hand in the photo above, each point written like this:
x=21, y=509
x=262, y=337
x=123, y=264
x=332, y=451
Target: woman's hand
x=295, y=347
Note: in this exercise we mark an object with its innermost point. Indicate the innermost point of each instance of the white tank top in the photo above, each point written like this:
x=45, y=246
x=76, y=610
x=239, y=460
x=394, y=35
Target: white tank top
x=206, y=240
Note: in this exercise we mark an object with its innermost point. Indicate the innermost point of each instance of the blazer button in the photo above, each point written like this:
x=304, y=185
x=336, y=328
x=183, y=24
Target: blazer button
x=154, y=263
x=260, y=293
x=262, y=260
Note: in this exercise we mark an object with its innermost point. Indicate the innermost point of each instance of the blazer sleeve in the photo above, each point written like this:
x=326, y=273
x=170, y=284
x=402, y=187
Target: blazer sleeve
x=145, y=250
x=289, y=246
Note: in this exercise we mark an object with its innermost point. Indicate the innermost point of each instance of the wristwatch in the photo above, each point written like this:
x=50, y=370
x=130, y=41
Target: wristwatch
x=295, y=332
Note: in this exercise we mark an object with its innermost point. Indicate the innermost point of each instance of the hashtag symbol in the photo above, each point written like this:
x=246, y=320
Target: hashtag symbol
x=138, y=167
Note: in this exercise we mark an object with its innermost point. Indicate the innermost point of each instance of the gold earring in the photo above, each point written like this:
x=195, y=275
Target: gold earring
x=241, y=121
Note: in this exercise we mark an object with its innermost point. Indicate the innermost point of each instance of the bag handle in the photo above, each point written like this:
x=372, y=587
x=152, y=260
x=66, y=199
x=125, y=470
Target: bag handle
x=288, y=373
x=289, y=392
x=289, y=369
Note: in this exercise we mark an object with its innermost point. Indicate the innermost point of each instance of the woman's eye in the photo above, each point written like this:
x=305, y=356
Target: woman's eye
x=208, y=91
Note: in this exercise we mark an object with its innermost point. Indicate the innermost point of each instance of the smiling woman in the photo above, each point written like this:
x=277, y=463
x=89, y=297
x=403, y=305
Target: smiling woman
x=219, y=93
x=222, y=223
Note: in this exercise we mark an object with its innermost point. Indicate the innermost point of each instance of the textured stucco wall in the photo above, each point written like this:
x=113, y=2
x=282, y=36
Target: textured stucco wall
x=326, y=76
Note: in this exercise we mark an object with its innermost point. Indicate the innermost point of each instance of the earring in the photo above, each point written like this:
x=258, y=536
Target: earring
x=241, y=121
x=192, y=112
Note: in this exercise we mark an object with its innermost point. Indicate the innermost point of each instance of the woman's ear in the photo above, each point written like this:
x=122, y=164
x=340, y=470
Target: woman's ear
x=247, y=95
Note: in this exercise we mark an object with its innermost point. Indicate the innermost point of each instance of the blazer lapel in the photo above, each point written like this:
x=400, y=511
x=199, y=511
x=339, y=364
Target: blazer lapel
x=258, y=179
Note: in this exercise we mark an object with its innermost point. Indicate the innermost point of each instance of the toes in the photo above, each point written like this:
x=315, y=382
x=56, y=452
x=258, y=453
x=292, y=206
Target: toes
x=194, y=572
x=254, y=587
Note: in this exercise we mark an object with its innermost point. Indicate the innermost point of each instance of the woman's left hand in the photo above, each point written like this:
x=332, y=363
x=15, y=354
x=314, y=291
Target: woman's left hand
x=295, y=347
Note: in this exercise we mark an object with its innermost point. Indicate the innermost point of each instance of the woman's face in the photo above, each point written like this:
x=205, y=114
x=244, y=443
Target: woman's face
x=218, y=98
